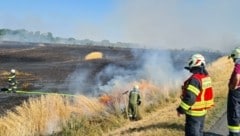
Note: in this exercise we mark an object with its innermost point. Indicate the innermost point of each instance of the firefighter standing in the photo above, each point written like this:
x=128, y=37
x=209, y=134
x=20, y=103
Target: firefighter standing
x=233, y=103
x=12, y=81
x=197, y=96
x=134, y=102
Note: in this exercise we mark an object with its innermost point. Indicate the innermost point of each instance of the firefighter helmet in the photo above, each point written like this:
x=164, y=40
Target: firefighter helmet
x=235, y=53
x=196, y=60
x=136, y=87
x=13, y=71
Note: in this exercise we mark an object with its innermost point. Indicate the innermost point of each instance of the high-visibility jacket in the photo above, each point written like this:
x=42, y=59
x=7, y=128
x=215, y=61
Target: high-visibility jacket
x=12, y=79
x=204, y=95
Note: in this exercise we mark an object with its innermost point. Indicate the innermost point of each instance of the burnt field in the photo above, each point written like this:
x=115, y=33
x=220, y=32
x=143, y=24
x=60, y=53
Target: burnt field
x=47, y=67
x=49, y=63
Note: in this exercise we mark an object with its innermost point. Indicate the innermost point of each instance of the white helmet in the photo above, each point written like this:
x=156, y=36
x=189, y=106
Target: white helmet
x=136, y=87
x=196, y=60
x=235, y=53
x=13, y=71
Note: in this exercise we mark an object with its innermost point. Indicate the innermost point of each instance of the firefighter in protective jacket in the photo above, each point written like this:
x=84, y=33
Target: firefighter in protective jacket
x=12, y=82
x=134, y=102
x=197, y=96
x=233, y=103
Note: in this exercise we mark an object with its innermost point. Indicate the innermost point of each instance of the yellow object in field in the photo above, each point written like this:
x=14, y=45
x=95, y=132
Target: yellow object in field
x=94, y=55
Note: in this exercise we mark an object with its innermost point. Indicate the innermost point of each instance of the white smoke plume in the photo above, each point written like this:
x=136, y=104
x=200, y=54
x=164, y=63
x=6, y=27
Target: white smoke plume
x=153, y=66
x=77, y=81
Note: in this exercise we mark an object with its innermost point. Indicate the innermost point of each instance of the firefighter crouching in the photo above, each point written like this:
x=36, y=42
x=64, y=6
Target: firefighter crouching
x=197, y=96
x=12, y=82
x=233, y=101
x=133, y=103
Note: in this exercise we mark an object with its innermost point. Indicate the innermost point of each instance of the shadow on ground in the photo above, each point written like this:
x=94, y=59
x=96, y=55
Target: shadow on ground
x=164, y=125
x=211, y=134
x=158, y=125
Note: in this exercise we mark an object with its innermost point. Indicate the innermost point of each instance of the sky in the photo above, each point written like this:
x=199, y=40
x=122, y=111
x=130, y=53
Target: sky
x=211, y=24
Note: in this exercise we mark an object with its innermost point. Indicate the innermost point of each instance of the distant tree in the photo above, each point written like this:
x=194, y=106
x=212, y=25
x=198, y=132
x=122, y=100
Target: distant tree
x=4, y=31
x=105, y=42
x=87, y=42
x=71, y=40
x=23, y=35
x=50, y=36
x=37, y=33
x=58, y=39
x=20, y=32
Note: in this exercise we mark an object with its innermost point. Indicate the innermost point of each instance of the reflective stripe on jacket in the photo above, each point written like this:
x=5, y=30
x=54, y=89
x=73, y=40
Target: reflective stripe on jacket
x=204, y=95
x=11, y=77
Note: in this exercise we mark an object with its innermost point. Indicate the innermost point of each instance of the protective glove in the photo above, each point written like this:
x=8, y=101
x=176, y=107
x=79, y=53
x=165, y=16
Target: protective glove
x=139, y=102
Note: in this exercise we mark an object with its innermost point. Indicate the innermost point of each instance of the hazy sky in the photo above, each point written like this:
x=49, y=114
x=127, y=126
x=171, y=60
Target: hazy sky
x=162, y=23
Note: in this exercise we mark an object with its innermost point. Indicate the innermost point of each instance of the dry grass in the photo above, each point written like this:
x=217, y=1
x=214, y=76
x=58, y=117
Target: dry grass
x=57, y=115
x=220, y=71
x=163, y=121
x=46, y=115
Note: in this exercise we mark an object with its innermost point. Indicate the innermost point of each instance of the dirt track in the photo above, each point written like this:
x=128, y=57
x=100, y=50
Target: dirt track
x=220, y=127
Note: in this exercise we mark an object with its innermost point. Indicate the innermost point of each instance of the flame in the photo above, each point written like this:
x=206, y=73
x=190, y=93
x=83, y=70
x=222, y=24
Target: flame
x=94, y=55
x=105, y=99
x=120, y=96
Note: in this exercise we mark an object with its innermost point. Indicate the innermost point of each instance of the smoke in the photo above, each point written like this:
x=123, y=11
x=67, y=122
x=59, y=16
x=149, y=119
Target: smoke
x=158, y=68
x=154, y=66
x=115, y=78
x=175, y=24
x=111, y=77
x=78, y=82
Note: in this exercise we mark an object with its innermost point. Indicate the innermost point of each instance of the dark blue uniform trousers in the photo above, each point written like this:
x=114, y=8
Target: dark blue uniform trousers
x=233, y=110
x=194, y=125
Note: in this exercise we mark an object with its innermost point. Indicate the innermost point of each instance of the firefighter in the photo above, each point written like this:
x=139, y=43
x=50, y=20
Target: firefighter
x=233, y=101
x=12, y=82
x=197, y=96
x=134, y=102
